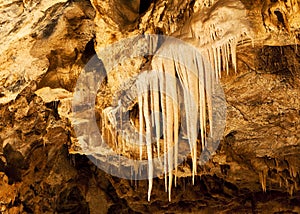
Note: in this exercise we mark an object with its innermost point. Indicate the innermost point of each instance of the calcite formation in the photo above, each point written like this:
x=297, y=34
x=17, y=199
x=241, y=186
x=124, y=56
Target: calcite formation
x=46, y=46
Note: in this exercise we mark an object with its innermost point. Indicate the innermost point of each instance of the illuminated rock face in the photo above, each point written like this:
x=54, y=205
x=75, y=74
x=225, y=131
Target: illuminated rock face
x=46, y=44
x=280, y=15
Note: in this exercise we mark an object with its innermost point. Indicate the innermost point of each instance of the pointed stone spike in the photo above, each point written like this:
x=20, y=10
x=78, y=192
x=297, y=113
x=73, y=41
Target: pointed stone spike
x=148, y=142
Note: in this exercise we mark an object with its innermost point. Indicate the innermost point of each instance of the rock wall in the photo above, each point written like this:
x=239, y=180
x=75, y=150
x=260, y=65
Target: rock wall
x=44, y=47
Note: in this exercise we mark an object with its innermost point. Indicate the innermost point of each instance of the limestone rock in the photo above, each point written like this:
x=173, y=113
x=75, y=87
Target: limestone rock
x=46, y=45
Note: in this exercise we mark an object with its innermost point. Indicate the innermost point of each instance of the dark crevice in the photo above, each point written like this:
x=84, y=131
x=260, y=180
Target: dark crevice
x=144, y=5
x=54, y=106
x=49, y=28
x=71, y=200
x=282, y=61
x=15, y=163
x=89, y=51
x=279, y=17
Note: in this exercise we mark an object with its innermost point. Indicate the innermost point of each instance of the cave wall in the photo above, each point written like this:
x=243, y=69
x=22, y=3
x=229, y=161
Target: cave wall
x=46, y=44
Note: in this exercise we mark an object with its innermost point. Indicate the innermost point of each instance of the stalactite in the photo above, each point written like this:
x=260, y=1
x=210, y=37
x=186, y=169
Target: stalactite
x=291, y=189
x=263, y=179
x=148, y=141
x=154, y=89
x=141, y=121
x=176, y=128
x=201, y=100
x=293, y=172
x=195, y=74
x=162, y=85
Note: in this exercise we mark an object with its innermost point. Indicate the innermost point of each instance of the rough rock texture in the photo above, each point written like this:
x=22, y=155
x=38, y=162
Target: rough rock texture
x=46, y=44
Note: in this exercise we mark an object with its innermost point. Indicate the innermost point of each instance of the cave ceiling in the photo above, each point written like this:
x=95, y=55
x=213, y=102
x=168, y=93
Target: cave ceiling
x=149, y=106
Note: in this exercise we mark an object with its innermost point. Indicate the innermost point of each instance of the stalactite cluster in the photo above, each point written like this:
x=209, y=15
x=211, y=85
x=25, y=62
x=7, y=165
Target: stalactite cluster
x=198, y=72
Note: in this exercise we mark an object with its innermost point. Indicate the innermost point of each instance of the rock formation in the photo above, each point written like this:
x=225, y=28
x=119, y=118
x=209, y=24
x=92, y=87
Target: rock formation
x=62, y=95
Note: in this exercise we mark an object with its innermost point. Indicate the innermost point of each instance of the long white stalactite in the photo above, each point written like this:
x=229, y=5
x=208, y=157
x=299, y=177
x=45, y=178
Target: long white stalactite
x=194, y=73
